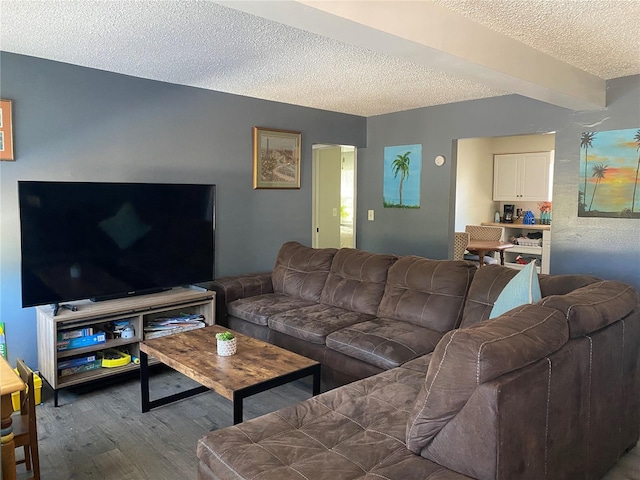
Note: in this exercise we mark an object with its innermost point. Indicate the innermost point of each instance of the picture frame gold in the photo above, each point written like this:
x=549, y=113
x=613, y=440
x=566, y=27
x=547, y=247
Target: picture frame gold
x=6, y=130
x=276, y=158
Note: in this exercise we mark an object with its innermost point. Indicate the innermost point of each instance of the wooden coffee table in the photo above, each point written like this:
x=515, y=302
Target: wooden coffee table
x=256, y=367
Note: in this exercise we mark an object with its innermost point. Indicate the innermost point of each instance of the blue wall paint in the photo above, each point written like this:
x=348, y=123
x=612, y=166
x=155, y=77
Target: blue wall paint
x=74, y=123
x=608, y=248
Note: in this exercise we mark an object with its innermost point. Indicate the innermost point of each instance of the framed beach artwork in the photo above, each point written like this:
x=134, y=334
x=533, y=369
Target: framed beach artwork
x=401, y=180
x=276, y=158
x=609, y=168
x=6, y=130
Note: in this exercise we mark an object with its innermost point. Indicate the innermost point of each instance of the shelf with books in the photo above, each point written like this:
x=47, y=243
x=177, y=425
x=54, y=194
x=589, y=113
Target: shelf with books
x=112, y=324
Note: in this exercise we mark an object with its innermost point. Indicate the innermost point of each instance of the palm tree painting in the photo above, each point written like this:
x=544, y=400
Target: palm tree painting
x=609, y=170
x=401, y=183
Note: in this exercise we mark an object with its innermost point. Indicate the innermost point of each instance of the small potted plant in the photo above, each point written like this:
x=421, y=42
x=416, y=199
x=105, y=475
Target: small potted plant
x=227, y=343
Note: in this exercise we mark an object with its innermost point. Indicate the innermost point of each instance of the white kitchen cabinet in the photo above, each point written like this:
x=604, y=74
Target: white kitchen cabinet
x=522, y=177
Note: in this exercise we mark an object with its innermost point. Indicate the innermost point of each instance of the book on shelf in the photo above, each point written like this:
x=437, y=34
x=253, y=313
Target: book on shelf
x=87, y=367
x=76, y=361
x=162, y=326
x=81, y=342
x=149, y=334
x=80, y=332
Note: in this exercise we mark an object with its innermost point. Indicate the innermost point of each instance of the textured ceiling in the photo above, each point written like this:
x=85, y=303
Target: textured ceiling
x=223, y=47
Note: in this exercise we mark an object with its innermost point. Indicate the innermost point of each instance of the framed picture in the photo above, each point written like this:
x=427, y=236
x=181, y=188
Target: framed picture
x=609, y=166
x=6, y=130
x=276, y=158
x=402, y=172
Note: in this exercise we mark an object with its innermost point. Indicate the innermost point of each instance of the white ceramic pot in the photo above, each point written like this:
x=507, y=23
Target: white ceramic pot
x=227, y=347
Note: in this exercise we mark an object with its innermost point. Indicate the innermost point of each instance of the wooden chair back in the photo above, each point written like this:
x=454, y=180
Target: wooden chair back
x=25, y=425
x=460, y=241
x=484, y=232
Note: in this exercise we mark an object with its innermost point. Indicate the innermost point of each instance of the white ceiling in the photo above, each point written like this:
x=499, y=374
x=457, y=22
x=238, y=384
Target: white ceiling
x=359, y=57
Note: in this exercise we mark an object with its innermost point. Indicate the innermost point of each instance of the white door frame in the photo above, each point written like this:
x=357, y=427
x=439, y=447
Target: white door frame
x=316, y=187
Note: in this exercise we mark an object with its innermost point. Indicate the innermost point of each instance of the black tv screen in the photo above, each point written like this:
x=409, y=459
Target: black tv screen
x=90, y=240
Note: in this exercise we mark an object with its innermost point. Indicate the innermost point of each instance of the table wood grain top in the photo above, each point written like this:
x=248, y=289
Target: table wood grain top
x=9, y=381
x=194, y=354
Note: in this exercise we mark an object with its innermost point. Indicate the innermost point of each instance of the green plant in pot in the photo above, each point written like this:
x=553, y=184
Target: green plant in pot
x=226, y=343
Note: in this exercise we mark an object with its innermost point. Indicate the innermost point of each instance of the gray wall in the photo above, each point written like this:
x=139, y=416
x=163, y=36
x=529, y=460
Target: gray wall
x=74, y=123
x=606, y=247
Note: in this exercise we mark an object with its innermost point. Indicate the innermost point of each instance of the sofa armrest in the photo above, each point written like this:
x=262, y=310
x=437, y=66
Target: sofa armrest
x=571, y=414
x=235, y=287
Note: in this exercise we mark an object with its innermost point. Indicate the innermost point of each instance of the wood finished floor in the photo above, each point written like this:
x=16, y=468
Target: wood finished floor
x=98, y=431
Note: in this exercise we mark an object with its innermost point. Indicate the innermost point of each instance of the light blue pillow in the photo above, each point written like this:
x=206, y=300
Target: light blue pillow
x=523, y=289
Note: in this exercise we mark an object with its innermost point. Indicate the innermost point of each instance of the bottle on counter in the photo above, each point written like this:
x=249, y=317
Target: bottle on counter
x=496, y=217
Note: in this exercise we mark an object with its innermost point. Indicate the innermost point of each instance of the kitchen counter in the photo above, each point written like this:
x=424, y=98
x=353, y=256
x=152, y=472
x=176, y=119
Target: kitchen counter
x=518, y=225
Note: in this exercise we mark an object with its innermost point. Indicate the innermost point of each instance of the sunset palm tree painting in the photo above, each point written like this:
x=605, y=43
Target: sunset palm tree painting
x=609, y=174
x=401, y=182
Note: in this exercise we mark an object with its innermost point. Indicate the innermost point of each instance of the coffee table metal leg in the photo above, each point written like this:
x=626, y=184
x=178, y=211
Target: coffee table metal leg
x=144, y=381
x=316, y=380
x=237, y=408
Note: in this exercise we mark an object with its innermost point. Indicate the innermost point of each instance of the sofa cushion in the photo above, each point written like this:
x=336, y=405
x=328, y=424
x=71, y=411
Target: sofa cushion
x=259, y=308
x=489, y=282
x=522, y=289
x=419, y=364
x=345, y=433
x=384, y=342
x=468, y=357
x=594, y=306
x=301, y=271
x=357, y=280
x=314, y=322
x=428, y=293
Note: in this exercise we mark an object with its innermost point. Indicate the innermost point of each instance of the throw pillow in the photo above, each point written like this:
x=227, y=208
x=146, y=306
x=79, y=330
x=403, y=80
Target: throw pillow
x=523, y=289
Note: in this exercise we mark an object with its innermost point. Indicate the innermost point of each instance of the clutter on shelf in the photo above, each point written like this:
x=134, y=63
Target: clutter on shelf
x=162, y=326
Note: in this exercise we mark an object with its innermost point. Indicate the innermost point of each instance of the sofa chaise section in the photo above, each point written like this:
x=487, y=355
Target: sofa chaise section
x=544, y=391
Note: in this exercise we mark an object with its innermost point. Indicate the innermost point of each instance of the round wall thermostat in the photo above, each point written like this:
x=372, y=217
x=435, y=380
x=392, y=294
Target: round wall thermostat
x=439, y=160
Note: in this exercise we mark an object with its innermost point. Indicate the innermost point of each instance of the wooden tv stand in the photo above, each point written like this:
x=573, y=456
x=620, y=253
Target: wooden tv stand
x=138, y=311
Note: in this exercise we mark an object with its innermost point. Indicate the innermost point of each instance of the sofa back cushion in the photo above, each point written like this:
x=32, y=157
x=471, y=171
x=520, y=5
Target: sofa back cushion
x=594, y=306
x=489, y=282
x=468, y=357
x=427, y=293
x=301, y=271
x=357, y=279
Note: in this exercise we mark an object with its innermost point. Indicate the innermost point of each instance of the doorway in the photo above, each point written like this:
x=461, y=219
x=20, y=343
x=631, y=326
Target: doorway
x=334, y=196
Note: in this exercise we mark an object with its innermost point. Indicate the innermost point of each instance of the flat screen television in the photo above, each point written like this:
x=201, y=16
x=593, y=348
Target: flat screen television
x=99, y=240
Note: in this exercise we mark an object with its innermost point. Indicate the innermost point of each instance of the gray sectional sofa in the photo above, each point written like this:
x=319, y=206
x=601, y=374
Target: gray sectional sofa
x=435, y=388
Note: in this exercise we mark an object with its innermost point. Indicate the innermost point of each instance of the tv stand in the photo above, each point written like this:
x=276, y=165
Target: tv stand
x=59, y=319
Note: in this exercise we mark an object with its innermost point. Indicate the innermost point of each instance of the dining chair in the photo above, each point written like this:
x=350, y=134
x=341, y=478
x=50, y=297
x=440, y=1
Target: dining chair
x=483, y=232
x=24, y=423
x=460, y=241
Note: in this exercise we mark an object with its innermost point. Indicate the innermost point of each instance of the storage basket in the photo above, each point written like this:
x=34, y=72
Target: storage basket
x=37, y=385
x=529, y=242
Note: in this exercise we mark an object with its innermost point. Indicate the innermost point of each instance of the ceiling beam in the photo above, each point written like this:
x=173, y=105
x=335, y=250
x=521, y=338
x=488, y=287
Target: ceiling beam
x=428, y=34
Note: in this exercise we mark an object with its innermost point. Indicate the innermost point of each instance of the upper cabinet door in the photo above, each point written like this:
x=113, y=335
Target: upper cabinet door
x=522, y=177
x=506, y=178
x=535, y=168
